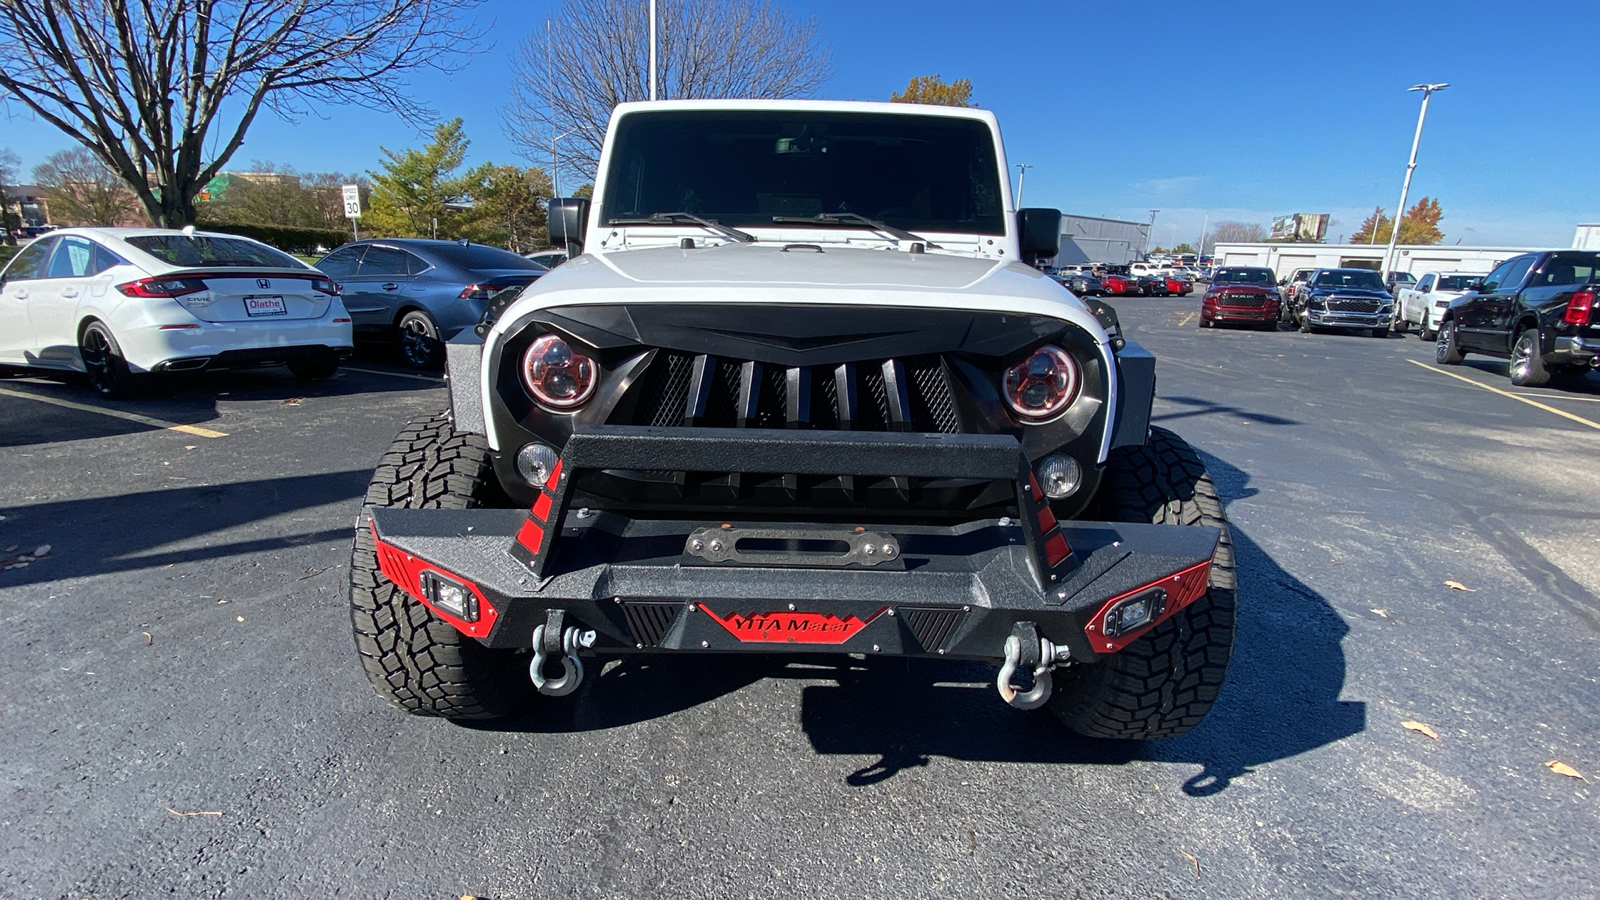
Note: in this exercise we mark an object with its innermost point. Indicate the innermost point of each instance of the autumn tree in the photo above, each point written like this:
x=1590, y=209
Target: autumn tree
x=1420, y=225
x=82, y=191
x=932, y=90
x=164, y=91
x=594, y=55
x=508, y=207
x=418, y=187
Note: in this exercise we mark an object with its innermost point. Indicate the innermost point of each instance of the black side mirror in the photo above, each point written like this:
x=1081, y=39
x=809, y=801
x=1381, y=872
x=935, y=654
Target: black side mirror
x=1282, y=282
x=1038, y=233
x=568, y=218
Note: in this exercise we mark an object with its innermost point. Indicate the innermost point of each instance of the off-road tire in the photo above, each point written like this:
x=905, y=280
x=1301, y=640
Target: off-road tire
x=414, y=659
x=1165, y=682
x=1447, y=351
x=1527, y=364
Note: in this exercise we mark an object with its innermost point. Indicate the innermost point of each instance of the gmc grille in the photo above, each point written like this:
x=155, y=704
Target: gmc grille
x=688, y=390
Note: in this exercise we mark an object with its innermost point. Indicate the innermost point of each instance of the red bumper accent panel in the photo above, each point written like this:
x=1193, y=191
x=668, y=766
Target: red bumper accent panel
x=406, y=571
x=1182, y=589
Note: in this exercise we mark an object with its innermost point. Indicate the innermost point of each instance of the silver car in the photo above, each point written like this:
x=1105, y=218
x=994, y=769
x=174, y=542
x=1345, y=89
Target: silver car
x=421, y=293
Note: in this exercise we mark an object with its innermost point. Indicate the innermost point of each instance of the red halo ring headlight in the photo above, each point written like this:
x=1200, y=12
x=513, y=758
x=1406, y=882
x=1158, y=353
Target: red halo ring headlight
x=556, y=375
x=1043, y=385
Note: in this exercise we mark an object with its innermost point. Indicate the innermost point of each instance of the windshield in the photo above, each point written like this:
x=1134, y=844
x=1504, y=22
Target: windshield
x=200, y=250
x=1455, y=282
x=1242, y=276
x=477, y=257
x=743, y=168
x=1350, y=278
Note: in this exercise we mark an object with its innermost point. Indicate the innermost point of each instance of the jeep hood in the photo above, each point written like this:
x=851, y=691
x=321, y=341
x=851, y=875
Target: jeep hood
x=789, y=274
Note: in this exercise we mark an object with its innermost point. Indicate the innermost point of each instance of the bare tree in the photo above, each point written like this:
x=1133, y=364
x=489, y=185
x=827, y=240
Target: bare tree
x=153, y=86
x=595, y=55
x=82, y=191
x=1234, y=233
x=8, y=178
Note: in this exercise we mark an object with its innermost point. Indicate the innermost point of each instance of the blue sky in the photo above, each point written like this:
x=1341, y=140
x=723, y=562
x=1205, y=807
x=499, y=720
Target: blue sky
x=1242, y=111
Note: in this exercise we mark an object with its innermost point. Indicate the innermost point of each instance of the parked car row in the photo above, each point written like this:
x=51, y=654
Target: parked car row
x=122, y=304
x=1536, y=310
x=1123, y=281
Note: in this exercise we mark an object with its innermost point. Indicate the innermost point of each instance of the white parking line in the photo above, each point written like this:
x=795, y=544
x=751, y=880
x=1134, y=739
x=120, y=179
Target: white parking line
x=432, y=379
x=1551, y=409
x=195, y=430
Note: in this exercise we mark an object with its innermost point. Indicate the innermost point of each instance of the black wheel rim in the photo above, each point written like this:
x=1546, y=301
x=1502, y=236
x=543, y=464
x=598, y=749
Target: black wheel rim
x=417, y=342
x=96, y=352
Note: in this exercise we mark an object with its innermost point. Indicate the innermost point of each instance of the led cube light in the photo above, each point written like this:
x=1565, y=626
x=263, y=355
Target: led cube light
x=450, y=596
x=1134, y=612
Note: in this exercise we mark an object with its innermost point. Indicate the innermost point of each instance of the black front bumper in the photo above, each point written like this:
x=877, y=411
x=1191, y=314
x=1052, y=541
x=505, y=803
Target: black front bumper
x=643, y=584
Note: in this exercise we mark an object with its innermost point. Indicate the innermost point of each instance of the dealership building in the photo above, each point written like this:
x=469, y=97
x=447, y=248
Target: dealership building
x=1413, y=258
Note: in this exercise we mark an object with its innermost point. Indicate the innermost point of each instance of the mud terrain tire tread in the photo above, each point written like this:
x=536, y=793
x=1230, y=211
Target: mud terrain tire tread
x=414, y=659
x=1164, y=683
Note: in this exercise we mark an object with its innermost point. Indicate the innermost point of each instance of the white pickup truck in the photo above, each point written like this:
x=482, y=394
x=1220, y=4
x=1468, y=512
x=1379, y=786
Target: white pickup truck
x=1423, y=305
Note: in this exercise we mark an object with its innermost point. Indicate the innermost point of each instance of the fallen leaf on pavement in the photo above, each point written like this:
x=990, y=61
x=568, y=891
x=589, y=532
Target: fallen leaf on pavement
x=1381, y=613
x=1458, y=586
x=1194, y=859
x=1561, y=768
x=239, y=618
x=1421, y=728
x=148, y=640
x=294, y=401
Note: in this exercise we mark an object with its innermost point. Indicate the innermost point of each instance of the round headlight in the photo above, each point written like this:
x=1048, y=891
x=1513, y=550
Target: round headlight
x=1041, y=385
x=556, y=375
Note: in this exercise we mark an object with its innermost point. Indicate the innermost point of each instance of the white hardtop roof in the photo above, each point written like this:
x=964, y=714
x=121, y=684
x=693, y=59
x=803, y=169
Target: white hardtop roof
x=124, y=233
x=848, y=106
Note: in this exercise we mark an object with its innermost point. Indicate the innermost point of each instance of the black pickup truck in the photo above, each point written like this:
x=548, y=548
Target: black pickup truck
x=1536, y=310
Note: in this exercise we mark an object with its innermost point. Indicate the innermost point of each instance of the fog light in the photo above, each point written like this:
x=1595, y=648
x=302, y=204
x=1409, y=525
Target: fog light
x=1134, y=613
x=450, y=596
x=535, y=462
x=1059, y=476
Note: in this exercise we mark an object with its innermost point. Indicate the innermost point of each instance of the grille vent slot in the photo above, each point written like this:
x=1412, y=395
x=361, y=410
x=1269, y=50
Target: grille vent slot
x=931, y=627
x=650, y=621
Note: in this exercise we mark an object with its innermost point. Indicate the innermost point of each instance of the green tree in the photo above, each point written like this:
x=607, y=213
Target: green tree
x=932, y=90
x=1183, y=248
x=418, y=187
x=508, y=207
x=1419, y=226
x=83, y=191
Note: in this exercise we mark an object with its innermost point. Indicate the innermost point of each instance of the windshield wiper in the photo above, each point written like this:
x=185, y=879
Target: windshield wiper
x=667, y=218
x=849, y=218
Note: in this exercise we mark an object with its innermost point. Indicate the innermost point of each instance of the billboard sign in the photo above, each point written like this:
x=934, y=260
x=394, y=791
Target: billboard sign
x=1308, y=228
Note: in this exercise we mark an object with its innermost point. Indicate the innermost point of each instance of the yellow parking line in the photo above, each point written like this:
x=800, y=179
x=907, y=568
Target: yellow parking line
x=432, y=379
x=1187, y=317
x=1551, y=409
x=195, y=430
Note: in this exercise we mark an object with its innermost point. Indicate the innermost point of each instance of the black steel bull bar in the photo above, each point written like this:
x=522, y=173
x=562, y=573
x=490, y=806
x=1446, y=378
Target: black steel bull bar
x=642, y=584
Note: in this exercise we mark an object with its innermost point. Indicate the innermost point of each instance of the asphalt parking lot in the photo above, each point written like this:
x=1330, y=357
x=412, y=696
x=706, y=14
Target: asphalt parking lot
x=184, y=715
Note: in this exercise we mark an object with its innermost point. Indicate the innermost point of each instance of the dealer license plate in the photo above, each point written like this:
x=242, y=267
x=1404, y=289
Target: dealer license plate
x=265, y=306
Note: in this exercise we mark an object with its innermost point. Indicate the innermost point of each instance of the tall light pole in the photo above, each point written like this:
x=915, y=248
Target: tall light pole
x=652, y=49
x=1201, y=249
x=555, y=165
x=1405, y=186
x=1150, y=230
x=1022, y=175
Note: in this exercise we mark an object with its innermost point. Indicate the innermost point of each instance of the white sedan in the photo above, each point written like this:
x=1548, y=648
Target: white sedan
x=119, y=303
x=1424, y=303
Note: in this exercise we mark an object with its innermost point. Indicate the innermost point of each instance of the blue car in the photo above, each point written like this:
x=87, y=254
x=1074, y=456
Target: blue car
x=420, y=293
